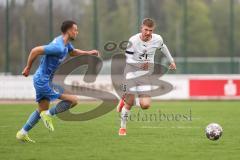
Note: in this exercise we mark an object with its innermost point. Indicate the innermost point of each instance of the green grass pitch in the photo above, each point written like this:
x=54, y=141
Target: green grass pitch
x=147, y=139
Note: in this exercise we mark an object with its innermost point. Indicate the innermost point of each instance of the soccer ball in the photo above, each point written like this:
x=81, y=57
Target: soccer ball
x=213, y=131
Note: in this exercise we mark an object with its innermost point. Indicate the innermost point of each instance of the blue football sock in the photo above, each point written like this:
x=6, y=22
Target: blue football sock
x=60, y=107
x=32, y=120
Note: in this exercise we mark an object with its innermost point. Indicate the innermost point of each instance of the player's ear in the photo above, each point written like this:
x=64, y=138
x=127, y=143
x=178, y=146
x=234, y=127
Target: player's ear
x=153, y=29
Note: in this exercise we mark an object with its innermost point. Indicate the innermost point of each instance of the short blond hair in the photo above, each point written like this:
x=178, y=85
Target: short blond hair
x=148, y=22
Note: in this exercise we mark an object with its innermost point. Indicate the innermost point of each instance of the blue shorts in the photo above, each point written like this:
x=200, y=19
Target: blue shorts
x=44, y=90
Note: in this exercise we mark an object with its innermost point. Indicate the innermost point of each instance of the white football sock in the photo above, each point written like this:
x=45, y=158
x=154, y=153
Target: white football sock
x=137, y=102
x=23, y=131
x=124, y=117
x=48, y=113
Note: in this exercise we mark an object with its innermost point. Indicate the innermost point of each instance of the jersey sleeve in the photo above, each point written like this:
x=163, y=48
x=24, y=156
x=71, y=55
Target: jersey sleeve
x=164, y=50
x=51, y=49
x=70, y=47
x=130, y=48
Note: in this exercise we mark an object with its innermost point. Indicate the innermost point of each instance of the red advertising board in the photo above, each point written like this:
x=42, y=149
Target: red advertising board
x=214, y=87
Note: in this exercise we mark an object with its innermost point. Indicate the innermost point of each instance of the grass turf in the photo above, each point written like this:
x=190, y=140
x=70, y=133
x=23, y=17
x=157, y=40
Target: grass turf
x=147, y=139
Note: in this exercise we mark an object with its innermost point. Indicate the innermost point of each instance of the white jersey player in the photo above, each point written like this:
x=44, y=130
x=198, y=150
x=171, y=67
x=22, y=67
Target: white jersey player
x=140, y=53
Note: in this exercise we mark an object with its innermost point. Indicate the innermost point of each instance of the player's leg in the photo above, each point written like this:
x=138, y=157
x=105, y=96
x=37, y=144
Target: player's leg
x=128, y=103
x=125, y=87
x=121, y=104
x=43, y=106
x=145, y=101
x=67, y=101
x=32, y=121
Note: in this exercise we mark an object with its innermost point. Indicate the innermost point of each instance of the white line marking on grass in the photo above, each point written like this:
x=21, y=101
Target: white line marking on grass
x=172, y=127
x=5, y=126
x=196, y=118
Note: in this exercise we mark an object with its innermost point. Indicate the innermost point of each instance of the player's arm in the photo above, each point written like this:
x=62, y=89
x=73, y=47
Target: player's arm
x=165, y=51
x=78, y=52
x=35, y=52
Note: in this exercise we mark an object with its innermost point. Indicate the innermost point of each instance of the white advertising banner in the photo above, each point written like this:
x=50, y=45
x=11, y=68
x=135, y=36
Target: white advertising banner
x=184, y=86
x=16, y=87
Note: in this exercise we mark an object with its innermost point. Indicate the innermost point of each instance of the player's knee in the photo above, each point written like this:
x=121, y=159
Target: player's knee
x=128, y=106
x=74, y=101
x=145, y=105
x=43, y=105
x=129, y=103
x=129, y=100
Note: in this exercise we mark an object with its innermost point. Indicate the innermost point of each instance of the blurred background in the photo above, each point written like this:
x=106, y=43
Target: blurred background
x=202, y=35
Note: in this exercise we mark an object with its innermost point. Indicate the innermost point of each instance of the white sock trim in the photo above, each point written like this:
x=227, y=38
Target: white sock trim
x=23, y=131
x=48, y=113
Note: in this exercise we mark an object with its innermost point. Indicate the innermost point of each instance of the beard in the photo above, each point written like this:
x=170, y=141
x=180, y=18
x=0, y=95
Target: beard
x=146, y=38
x=72, y=38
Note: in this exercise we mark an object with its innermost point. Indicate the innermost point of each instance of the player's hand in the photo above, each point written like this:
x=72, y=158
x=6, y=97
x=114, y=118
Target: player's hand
x=95, y=52
x=26, y=71
x=172, y=66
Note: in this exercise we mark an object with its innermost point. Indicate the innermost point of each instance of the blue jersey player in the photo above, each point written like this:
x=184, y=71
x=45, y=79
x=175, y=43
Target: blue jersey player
x=53, y=55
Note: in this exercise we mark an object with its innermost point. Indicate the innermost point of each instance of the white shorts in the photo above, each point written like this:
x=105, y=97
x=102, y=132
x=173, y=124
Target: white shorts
x=134, y=82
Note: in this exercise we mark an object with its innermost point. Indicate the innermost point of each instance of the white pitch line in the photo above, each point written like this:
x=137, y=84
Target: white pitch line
x=176, y=127
x=5, y=126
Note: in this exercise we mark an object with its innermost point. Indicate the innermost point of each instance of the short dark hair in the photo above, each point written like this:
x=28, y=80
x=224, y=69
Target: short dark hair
x=148, y=22
x=66, y=25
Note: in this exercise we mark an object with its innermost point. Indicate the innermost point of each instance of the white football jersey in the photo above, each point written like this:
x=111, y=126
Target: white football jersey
x=139, y=51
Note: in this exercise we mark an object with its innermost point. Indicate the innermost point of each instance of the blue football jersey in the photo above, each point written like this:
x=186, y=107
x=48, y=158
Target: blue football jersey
x=54, y=54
